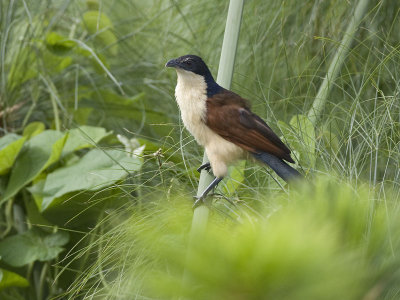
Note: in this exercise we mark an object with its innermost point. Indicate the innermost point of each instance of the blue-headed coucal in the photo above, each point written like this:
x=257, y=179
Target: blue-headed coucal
x=222, y=122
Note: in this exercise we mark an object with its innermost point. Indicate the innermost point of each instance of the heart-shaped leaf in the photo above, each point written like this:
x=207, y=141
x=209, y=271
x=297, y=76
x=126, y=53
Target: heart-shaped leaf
x=8, y=139
x=33, y=129
x=59, y=44
x=41, y=151
x=22, y=249
x=98, y=24
x=94, y=171
x=83, y=137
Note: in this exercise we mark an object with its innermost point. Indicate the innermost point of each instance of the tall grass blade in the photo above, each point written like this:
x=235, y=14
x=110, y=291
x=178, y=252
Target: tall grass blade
x=337, y=62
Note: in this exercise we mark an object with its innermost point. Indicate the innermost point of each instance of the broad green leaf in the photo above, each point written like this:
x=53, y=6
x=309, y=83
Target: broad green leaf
x=41, y=151
x=22, y=249
x=84, y=137
x=94, y=171
x=34, y=215
x=33, y=129
x=120, y=106
x=55, y=64
x=95, y=21
x=56, y=151
x=37, y=192
x=58, y=48
x=100, y=25
x=11, y=279
x=92, y=4
x=9, y=153
x=8, y=139
x=236, y=177
x=81, y=115
x=59, y=44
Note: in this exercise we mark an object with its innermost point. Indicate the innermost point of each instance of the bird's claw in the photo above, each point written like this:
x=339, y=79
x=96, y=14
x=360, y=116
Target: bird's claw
x=201, y=199
x=211, y=186
x=198, y=200
x=206, y=166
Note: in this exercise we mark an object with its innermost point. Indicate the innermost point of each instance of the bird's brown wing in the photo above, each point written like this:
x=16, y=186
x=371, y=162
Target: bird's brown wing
x=229, y=115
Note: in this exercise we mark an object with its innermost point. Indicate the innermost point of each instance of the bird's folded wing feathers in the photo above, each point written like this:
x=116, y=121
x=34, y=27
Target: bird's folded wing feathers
x=229, y=115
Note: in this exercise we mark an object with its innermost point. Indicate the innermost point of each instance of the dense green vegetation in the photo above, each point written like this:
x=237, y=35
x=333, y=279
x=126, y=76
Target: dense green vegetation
x=97, y=172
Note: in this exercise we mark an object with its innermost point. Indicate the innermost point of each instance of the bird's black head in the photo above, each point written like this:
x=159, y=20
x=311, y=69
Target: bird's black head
x=191, y=63
x=194, y=64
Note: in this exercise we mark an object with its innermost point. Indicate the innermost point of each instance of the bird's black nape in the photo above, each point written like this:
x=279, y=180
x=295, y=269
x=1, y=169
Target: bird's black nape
x=196, y=65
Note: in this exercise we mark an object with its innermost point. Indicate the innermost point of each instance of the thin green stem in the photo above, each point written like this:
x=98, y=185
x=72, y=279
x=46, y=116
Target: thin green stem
x=42, y=280
x=54, y=101
x=9, y=218
x=55, y=113
x=337, y=62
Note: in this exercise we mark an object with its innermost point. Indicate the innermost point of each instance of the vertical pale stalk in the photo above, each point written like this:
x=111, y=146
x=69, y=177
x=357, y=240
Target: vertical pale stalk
x=337, y=62
x=225, y=68
x=224, y=78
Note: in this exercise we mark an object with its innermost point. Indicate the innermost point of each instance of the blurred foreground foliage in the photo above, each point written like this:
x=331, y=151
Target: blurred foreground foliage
x=326, y=240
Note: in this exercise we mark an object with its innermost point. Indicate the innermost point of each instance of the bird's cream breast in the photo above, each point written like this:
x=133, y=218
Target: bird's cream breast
x=191, y=96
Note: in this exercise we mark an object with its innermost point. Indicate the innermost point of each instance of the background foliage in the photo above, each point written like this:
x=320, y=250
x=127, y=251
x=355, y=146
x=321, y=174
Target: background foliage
x=96, y=169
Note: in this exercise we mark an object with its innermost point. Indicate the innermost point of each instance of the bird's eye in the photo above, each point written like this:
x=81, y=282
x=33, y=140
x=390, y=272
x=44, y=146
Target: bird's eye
x=188, y=62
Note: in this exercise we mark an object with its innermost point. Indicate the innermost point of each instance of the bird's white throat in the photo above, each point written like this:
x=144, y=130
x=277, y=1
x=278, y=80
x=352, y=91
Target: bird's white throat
x=191, y=96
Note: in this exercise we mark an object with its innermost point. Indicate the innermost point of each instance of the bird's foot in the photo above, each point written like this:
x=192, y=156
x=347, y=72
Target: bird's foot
x=206, y=166
x=199, y=200
x=203, y=196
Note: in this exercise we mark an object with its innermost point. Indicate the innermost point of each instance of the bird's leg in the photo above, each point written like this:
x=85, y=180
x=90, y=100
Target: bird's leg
x=212, y=185
x=206, y=166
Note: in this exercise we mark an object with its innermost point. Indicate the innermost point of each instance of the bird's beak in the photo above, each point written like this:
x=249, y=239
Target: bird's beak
x=171, y=63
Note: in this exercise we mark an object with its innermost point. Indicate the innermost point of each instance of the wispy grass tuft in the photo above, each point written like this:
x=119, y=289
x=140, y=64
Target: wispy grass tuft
x=325, y=240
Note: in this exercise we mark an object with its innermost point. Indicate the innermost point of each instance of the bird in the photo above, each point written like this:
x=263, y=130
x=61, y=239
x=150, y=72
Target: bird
x=222, y=122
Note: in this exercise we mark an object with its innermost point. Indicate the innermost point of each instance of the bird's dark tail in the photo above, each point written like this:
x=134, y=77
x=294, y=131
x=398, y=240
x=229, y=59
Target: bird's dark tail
x=280, y=167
